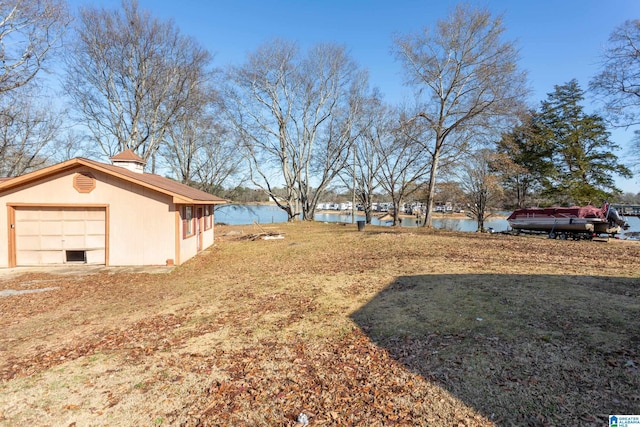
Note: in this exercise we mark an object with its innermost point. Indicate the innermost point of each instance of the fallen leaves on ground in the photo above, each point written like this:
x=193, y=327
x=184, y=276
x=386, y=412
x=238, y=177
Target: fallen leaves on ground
x=378, y=328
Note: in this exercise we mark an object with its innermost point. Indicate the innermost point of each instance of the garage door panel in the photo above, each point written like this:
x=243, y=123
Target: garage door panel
x=74, y=218
x=43, y=235
x=74, y=242
x=94, y=227
x=30, y=258
x=73, y=227
x=51, y=228
x=29, y=215
x=73, y=213
x=94, y=214
x=96, y=256
x=30, y=229
x=45, y=242
x=94, y=241
x=51, y=257
x=28, y=243
x=83, y=213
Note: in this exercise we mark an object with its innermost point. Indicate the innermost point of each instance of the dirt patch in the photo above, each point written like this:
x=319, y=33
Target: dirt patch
x=382, y=327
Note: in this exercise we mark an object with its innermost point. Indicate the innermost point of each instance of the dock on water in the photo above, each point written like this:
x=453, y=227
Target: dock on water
x=627, y=210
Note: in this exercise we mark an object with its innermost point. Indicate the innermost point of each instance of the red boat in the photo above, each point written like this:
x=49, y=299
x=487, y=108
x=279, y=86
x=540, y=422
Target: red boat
x=574, y=221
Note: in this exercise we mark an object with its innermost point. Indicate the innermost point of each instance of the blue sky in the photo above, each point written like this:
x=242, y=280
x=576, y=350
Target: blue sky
x=558, y=40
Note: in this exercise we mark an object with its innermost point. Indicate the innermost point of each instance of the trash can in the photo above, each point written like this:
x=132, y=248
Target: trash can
x=361, y=225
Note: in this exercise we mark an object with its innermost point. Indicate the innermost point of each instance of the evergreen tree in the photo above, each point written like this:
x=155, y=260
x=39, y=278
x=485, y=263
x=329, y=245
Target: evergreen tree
x=523, y=161
x=582, y=152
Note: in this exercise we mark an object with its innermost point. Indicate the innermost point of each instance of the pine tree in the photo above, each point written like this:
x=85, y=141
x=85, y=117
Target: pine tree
x=582, y=152
x=524, y=161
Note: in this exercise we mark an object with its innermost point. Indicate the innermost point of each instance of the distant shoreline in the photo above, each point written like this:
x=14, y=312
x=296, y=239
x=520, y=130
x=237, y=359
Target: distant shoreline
x=438, y=215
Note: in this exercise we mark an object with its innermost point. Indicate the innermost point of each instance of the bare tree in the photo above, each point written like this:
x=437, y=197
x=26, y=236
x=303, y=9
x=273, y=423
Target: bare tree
x=347, y=94
x=186, y=141
x=70, y=144
x=619, y=81
x=28, y=128
x=29, y=30
x=199, y=153
x=374, y=125
x=218, y=162
x=259, y=102
x=197, y=147
x=129, y=75
x=403, y=163
x=481, y=186
x=293, y=116
x=468, y=78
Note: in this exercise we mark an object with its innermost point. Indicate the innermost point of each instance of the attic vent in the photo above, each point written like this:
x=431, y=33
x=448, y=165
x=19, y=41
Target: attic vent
x=84, y=182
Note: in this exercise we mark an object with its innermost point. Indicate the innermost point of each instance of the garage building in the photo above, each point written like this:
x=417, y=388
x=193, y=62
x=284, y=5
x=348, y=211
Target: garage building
x=83, y=211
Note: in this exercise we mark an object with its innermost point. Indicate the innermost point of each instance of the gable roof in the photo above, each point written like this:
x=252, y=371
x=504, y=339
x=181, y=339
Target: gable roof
x=181, y=193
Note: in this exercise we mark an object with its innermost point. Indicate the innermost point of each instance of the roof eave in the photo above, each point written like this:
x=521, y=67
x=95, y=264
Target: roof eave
x=185, y=201
x=33, y=176
x=78, y=161
x=177, y=198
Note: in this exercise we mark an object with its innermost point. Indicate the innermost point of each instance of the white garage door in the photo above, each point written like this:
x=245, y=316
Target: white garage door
x=60, y=235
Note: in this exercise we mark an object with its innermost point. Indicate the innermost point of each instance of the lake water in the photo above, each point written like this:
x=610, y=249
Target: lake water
x=267, y=214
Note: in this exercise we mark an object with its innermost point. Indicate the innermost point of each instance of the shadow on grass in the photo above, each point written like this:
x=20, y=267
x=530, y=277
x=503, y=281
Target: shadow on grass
x=520, y=349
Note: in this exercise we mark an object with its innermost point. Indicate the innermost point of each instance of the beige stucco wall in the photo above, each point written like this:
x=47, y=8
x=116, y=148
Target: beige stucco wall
x=189, y=246
x=209, y=234
x=141, y=221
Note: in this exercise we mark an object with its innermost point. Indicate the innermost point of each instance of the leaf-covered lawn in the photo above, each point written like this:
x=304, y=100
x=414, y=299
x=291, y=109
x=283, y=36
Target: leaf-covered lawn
x=382, y=327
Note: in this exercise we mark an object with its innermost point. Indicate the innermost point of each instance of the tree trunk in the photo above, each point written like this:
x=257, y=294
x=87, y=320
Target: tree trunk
x=396, y=213
x=428, y=215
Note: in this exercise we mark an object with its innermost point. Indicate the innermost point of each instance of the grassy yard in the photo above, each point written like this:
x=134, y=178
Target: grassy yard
x=376, y=328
